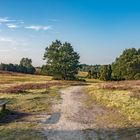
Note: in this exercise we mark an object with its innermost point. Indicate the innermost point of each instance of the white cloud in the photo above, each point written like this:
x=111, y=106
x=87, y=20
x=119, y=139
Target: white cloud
x=38, y=28
x=8, y=20
x=12, y=26
x=4, y=20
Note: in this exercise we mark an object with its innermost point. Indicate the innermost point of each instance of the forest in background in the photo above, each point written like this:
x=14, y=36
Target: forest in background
x=62, y=62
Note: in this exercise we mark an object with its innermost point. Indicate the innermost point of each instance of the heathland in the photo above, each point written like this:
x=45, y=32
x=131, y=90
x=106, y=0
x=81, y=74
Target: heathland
x=42, y=108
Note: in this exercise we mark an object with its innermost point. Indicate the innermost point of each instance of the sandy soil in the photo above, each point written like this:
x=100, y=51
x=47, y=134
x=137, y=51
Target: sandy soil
x=72, y=120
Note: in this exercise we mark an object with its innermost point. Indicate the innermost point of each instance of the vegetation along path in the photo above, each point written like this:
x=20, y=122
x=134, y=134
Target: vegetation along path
x=73, y=120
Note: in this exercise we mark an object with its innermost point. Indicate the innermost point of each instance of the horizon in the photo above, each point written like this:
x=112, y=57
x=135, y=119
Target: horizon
x=98, y=30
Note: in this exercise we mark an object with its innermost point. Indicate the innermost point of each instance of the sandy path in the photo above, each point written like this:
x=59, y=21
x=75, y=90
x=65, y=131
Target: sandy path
x=61, y=125
x=68, y=121
x=71, y=120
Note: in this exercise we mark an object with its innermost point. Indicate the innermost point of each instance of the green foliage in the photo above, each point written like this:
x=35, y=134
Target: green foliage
x=62, y=60
x=137, y=76
x=26, y=62
x=24, y=67
x=46, y=70
x=93, y=70
x=127, y=65
x=105, y=72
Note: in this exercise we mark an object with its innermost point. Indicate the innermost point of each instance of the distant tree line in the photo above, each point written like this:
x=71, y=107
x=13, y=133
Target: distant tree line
x=25, y=66
x=93, y=70
x=125, y=67
x=62, y=62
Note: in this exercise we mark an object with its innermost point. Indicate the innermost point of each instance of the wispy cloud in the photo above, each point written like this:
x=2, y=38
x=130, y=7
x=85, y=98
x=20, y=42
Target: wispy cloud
x=38, y=27
x=11, y=23
x=12, y=26
x=5, y=20
x=8, y=20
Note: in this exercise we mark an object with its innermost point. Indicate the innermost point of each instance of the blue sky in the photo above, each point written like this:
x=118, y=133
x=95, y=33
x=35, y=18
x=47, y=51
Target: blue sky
x=99, y=30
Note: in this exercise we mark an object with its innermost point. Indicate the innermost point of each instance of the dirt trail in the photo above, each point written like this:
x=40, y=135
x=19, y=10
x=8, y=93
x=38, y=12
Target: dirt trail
x=70, y=120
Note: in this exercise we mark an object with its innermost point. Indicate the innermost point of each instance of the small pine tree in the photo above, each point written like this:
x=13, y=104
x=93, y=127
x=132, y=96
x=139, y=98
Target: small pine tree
x=105, y=72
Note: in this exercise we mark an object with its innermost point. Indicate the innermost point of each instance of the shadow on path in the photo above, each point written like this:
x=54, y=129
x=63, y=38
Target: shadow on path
x=54, y=118
x=94, y=134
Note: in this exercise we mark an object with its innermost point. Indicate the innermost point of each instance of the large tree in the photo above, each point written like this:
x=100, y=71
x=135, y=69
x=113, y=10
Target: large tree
x=127, y=65
x=62, y=60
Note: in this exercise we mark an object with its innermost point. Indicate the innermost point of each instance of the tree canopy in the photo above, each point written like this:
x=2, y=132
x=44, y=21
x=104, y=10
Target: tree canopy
x=26, y=62
x=127, y=65
x=105, y=72
x=62, y=60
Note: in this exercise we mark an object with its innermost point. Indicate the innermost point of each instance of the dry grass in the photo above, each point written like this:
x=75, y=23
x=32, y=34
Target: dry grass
x=31, y=95
x=19, y=124
x=16, y=78
x=119, y=95
x=34, y=98
x=122, y=85
x=123, y=99
x=20, y=131
x=24, y=87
